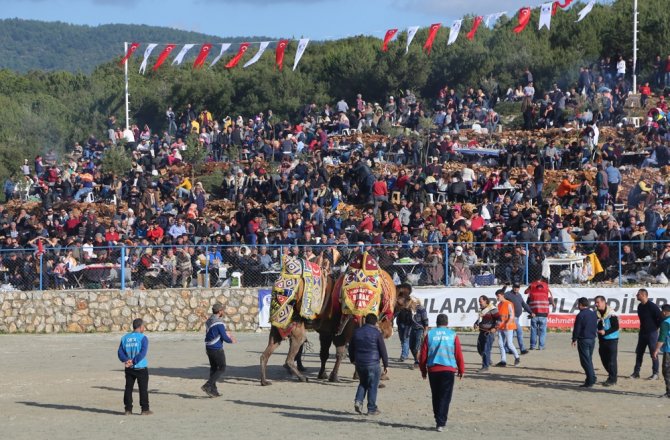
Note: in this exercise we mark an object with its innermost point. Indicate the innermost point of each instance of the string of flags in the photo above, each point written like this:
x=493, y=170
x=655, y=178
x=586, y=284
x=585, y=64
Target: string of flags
x=547, y=11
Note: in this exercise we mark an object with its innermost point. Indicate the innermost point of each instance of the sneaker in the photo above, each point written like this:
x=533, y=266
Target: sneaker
x=147, y=413
x=402, y=359
x=635, y=376
x=517, y=361
x=524, y=351
x=501, y=364
x=207, y=390
x=215, y=393
x=586, y=385
x=128, y=413
x=653, y=377
x=483, y=370
x=608, y=383
x=439, y=428
x=375, y=412
x=357, y=407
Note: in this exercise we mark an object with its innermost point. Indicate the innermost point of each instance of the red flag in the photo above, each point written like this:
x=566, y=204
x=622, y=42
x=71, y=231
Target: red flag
x=389, y=35
x=163, y=56
x=431, y=37
x=524, y=19
x=236, y=59
x=279, y=53
x=40, y=246
x=558, y=4
x=475, y=26
x=131, y=50
x=202, y=56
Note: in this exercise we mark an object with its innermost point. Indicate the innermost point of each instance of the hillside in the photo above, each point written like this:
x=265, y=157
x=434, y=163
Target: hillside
x=37, y=45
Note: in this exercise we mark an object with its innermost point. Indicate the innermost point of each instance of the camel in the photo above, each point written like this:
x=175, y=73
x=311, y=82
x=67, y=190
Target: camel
x=290, y=314
x=355, y=287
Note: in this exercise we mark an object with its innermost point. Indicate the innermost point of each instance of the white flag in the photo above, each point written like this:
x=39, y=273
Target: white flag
x=411, y=32
x=264, y=45
x=453, y=33
x=584, y=12
x=491, y=19
x=302, y=45
x=224, y=48
x=182, y=54
x=147, y=54
x=545, y=15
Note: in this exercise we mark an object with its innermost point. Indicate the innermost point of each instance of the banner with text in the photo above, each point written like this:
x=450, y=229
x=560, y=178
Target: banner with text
x=461, y=305
x=264, y=298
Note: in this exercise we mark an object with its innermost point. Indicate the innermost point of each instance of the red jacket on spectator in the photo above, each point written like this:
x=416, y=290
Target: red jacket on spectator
x=155, y=234
x=645, y=90
x=367, y=223
x=379, y=188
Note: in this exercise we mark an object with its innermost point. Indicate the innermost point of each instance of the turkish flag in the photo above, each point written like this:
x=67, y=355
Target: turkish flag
x=163, y=56
x=389, y=35
x=279, y=53
x=524, y=19
x=475, y=26
x=202, y=56
x=558, y=4
x=131, y=50
x=431, y=37
x=236, y=59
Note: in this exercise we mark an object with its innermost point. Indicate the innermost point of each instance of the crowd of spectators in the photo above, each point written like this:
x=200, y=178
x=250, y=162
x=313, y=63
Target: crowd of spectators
x=302, y=189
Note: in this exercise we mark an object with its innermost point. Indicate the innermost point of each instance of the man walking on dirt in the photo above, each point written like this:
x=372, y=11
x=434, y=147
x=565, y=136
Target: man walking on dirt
x=663, y=346
x=584, y=337
x=214, y=338
x=608, y=339
x=650, y=320
x=365, y=350
x=133, y=353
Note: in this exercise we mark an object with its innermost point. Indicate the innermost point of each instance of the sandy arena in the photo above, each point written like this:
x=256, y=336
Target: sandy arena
x=71, y=386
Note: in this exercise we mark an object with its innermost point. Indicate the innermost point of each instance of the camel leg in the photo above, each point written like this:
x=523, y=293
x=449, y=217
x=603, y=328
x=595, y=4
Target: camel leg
x=297, y=339
x=340, y=354
x=273, y=342
x=325, y=341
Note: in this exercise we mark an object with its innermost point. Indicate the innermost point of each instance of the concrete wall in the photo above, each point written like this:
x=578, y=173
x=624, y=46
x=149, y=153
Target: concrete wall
x=113, y=310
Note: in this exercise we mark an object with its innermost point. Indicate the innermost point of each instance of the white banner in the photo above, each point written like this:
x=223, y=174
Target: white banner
x=453, y=32
x=545, y=15
x=491, y=19
x=264, y=299
x=462, y=307
x=261, y=49
x=224, y=48
x=182, y=53
x=147, y=54
x=584, y=12
x=302, y=45
x=411, y=32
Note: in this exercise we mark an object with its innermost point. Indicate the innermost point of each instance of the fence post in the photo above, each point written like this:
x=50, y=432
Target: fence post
x=41, y=271
x=123, y=267
x=281, y=257
x=527, y=268
x=620, y=274
x=206, y=266
x=446, y=264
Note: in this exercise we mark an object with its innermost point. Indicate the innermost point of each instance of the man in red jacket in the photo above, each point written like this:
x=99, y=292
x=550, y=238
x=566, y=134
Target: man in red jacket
x=440, y=360
x=540, y=300
x=380, y=193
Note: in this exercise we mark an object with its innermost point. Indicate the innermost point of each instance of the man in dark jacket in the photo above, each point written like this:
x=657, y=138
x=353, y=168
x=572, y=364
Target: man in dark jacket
x=519, y=306
x=650, y=320
x=584, y=337
x=214, y=338
x=608, y=339
x=365, y=350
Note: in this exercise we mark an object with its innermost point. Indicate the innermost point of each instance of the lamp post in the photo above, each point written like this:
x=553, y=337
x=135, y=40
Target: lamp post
x=634, y=46
x=125, y=77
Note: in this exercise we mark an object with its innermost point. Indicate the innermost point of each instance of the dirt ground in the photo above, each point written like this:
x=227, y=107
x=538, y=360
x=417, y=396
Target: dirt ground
x=71, y=386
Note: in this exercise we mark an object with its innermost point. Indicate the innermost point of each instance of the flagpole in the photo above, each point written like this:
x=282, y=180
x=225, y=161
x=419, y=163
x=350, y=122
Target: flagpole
x=634, y=46
x=125, y=76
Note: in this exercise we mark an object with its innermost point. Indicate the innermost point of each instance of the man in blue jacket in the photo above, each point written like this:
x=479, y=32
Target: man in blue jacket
x=584, y=337
x=214, y=338
x=365, y=350
x=663, y=346
x=133, y=353
x=608, y=339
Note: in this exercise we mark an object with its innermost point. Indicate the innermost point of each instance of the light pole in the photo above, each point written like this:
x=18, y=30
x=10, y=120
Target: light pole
x=125, y=76
x=634, y=46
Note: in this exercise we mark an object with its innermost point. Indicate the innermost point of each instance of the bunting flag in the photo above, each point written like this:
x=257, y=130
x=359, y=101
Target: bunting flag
x=411, y=33
x=584, y=12
x=453, y=32
x=261, y=49
x=182, y=53
x=302, y=45
x=279, y=53
x=558, y=4
x=524, y=19
x=202, y=56
x=147, y=54
x=545, y=15
x=163, y=56
x=432, y=33
x=240, y=53
x=387, y=38
x=224, y=48
x=475, y=26
x=131, y=50
x=491, y=19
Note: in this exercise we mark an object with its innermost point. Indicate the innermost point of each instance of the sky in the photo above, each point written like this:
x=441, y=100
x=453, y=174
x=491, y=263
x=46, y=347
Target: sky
x=315, y=19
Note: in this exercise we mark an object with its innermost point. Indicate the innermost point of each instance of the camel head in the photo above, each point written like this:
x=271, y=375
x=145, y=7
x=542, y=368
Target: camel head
x=403, y=296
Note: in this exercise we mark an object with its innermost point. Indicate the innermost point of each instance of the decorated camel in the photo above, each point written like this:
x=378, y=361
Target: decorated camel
x=298, y=299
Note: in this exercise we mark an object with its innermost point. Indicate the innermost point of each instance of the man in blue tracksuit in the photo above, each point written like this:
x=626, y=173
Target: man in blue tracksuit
x=133, y=353
x=214, y=338
x=608, y=339
x=365, y=350
x=663, y=346
x=584, y=337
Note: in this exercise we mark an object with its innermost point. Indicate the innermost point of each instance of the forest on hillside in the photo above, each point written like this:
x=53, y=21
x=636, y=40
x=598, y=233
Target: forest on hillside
x=43, y=110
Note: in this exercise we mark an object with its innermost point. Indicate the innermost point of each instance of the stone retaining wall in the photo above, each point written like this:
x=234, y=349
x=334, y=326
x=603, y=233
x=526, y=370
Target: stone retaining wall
x=113, y=310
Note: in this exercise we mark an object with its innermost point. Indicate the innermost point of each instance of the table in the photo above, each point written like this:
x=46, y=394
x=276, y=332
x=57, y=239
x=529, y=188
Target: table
x=404, y=267
x=478, y=151
x=571, y=262
x=268, y=275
